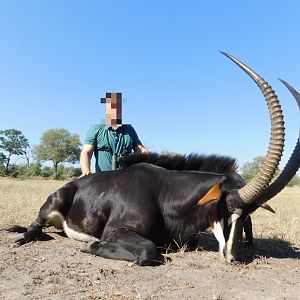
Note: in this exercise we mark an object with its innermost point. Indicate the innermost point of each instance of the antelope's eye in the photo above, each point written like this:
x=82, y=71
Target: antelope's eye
x=230, y=207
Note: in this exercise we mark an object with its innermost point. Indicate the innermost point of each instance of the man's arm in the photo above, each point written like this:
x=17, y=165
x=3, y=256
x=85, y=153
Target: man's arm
x=85, y=159
x=137, y=145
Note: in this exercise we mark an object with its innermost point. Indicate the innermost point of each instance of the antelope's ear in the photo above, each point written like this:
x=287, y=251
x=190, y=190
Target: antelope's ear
x=214, y=193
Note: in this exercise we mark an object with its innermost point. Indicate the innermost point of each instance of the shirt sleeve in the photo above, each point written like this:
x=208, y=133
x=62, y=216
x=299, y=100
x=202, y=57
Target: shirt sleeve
x=135, y=139
x=91, y=135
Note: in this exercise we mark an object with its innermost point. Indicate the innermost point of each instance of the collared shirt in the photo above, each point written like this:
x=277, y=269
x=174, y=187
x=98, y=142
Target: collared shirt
x=108, y=142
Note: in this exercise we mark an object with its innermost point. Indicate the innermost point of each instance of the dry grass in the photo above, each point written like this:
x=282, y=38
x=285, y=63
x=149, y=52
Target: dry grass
x=20, y=202
x=285, y=223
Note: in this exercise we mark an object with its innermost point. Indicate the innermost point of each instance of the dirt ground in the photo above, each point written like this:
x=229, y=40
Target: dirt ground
x=56, y=269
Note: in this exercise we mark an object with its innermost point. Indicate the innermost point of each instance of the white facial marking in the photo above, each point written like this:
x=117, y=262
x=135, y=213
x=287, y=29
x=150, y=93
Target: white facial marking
x=218, y=232
x=233, y=220
x=76, y=235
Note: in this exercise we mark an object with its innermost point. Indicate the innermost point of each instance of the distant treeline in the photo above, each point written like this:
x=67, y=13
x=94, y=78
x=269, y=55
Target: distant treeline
x=36, y=170
x=57, y=146
x=61, y=148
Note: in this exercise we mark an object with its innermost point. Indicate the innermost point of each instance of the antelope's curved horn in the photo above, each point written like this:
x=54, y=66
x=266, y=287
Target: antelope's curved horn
x=291, y=167
x=250, y=192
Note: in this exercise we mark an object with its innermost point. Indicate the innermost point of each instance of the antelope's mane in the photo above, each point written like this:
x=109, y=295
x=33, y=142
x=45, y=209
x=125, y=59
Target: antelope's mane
x=191, y=162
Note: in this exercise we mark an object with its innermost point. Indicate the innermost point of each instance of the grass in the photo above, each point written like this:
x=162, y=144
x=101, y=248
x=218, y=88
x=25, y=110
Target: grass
x=285, y=223
x=20, y=201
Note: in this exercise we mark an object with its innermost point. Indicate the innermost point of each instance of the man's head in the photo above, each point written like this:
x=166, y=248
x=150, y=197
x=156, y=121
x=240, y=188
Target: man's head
x=113, y=103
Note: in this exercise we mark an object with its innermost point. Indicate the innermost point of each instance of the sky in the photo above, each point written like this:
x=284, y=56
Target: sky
x=59, y=57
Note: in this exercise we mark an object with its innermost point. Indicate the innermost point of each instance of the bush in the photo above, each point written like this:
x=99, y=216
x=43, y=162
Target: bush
x=73, y=172
x=295, y=181
x=68, y=172
x=2, y=171
x=47, y=172
x=15, y=171
x=2, y=160
x=34, y=170
x=18, y=171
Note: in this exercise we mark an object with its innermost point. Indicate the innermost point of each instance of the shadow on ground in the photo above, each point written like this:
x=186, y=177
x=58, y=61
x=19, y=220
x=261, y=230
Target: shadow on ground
x=263, y=247
x=206, y=241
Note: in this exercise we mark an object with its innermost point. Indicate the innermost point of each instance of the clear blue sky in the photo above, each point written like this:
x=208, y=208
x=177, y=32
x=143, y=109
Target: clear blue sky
x=58, y=58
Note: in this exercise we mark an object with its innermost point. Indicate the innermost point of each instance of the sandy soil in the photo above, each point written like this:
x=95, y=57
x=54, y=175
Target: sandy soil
x=55, y=268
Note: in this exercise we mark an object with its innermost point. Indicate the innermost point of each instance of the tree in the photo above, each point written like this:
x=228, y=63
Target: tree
x=249, y=169
x=58, y=146
x=2, y=160
x=13, y=142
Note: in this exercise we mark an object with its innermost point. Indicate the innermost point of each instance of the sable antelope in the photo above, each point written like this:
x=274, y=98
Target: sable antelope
x=125, y=214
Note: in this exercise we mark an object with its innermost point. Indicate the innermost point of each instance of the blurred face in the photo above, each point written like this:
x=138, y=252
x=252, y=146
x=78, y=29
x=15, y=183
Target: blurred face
x=113, y=109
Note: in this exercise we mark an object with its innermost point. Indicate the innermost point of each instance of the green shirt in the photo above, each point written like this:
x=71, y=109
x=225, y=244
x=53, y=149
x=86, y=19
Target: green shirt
x=108, y=141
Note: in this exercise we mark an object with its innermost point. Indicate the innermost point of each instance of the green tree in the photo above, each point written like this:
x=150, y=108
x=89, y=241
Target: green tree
x=58, y=146
x=249, y=169
x=13, y=142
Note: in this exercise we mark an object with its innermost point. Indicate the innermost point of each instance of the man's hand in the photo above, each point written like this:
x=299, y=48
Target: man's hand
x=141, y=149
x=85, y=174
